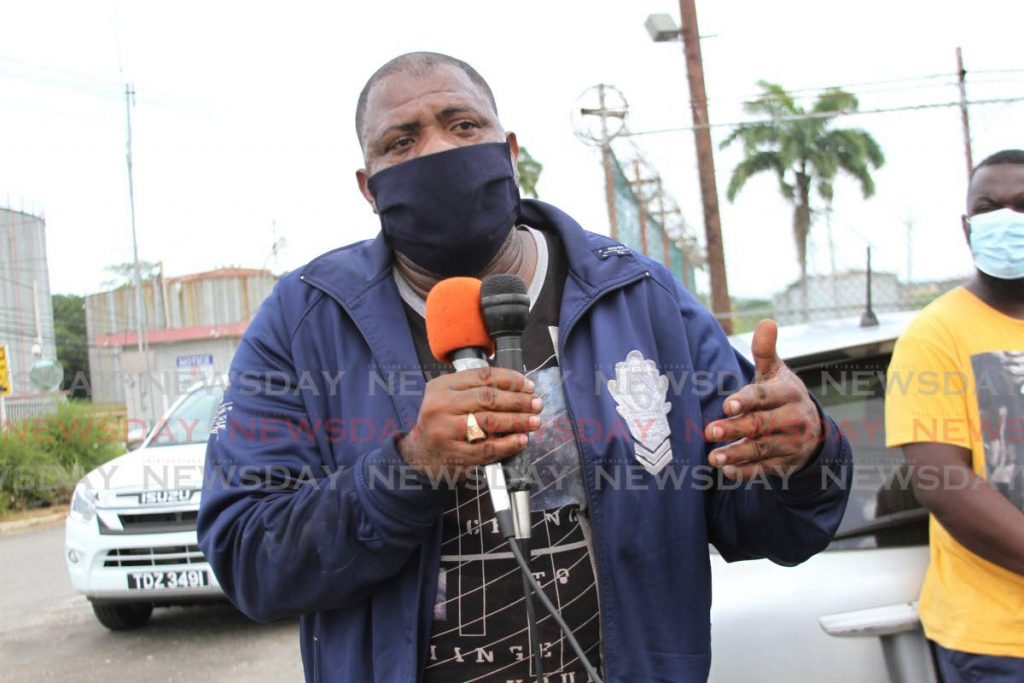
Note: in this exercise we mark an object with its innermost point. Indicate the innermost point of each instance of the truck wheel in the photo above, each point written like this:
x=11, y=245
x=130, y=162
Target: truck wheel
x=123, y=617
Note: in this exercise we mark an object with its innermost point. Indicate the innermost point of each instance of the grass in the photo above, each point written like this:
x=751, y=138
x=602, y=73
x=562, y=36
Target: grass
x=41, y=459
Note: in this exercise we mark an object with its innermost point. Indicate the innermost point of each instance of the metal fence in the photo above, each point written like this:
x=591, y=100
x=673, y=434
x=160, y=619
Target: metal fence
x=843, y=295
x=643, y=218
x=24, y=407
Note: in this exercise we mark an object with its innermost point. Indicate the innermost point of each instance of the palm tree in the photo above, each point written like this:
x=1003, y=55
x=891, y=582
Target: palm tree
x=802, y=149
x=529, y=172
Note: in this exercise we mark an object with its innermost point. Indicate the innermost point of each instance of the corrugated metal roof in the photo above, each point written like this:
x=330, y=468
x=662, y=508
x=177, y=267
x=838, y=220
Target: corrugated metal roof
x=174, y=335
x=201, y=300
x=220, y=273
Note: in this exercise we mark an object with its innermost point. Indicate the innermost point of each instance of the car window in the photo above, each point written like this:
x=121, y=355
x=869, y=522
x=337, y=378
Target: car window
x=190, y=422
x=882, y=511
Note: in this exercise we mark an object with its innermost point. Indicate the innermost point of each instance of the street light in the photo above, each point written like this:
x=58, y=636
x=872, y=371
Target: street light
x=662, y=28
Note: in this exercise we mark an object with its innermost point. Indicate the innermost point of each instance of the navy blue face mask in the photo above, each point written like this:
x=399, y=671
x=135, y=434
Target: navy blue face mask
x=449, y=212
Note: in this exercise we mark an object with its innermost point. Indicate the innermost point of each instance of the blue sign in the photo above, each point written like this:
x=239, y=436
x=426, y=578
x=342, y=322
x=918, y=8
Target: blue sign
x=198, y=360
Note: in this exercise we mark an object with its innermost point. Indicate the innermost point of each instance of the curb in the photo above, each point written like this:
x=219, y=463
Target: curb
x=18, y=525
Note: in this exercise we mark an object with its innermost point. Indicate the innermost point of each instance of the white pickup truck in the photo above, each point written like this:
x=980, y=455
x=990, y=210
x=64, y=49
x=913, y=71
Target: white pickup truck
x=130, y=536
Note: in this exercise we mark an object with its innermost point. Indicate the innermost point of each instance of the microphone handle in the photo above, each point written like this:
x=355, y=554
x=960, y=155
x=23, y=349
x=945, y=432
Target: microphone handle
x=469, y=359
x=508, y=354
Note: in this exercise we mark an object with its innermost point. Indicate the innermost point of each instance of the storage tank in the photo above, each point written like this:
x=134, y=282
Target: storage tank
x=26, y=312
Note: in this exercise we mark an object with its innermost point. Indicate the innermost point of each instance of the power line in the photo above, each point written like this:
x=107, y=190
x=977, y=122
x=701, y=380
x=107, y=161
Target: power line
x=860, y=84
x=862, y=87
x=887, y=81
x=85, y=85
x=996, y=71
x=823, y=115
x=872, y=87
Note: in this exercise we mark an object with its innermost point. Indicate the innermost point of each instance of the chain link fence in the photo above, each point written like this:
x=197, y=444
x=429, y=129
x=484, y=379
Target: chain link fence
x=843, y=295
x=648, y=221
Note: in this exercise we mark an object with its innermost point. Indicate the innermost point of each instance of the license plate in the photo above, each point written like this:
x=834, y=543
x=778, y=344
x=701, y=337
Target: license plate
x=169, y=580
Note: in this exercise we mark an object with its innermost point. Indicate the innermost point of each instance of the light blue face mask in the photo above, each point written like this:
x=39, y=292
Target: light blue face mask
x=997, y=242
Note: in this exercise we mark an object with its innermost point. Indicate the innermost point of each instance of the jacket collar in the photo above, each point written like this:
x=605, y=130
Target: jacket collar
x=351, y=273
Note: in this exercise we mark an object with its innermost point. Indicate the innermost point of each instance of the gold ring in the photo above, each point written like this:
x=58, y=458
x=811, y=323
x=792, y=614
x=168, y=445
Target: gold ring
x=473, y=431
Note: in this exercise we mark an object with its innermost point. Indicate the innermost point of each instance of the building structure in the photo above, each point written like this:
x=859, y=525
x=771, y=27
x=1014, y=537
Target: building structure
x=193, y=324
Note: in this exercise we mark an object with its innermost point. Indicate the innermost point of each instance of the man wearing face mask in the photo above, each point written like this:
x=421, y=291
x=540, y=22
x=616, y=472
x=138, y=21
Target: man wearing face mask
x=956, y=406
x=395, y=566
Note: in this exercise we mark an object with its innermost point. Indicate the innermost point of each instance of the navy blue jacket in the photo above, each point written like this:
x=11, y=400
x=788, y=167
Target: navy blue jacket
x=301, y=515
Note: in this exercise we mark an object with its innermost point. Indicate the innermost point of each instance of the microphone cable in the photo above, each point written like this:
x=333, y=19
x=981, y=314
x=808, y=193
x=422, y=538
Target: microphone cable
x=528, y=577
x=531, y=614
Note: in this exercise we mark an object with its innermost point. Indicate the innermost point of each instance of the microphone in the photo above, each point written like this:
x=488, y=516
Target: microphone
x=456, y=334
x=506, y=306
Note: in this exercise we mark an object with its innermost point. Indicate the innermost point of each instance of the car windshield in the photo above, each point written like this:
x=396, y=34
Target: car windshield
x=190, y=422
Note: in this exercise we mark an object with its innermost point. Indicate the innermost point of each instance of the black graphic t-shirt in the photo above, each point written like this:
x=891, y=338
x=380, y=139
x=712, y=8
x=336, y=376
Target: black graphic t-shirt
x=480, y=630
x=999, y=377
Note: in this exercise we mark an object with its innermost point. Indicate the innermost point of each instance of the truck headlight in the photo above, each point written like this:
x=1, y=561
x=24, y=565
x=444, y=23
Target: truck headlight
x=83, y=503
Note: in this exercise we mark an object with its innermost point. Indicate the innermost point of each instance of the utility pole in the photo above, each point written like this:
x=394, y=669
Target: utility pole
x=831, y=257
x=909, y=222
x=720, y=303
x=604, y=113
x=35, y=307
x=140, y=311
x=641, y=206
x=666, y=241
x=961, y=78
x=666, y=254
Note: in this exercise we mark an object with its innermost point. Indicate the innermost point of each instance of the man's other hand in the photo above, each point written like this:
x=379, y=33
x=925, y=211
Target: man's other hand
x=505, y=408
x=773, y=426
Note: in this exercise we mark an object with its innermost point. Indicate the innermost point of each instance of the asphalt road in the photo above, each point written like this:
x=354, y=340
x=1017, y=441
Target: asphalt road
x=48, y=631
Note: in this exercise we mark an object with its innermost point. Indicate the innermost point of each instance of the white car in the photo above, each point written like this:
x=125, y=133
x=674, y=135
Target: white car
x=849, y=613
x=130, y=536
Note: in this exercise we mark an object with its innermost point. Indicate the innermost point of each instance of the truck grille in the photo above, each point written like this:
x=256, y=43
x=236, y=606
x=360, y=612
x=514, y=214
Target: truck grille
x=154, y=557
x=154, y=522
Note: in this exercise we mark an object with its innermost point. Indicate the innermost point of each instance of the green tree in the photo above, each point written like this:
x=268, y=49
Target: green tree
x=804, y=151
x=123, y=274
x=529, y=172
x=72, y=343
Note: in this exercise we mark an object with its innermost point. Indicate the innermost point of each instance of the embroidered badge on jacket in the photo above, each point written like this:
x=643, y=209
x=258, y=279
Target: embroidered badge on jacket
x=639, y=392
x=220, y=420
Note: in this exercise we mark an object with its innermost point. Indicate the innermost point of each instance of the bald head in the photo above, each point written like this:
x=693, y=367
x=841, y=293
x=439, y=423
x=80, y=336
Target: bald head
x=417, y=64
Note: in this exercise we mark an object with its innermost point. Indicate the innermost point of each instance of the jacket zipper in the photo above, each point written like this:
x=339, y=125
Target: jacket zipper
x=589, y=531
x=316, y=658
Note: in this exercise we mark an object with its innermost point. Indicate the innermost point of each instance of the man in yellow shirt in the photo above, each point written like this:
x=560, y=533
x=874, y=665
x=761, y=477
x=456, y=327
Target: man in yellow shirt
x=955, y=403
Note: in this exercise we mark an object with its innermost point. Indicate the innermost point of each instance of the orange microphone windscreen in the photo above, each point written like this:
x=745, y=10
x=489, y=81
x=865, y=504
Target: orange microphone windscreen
x=454, y=320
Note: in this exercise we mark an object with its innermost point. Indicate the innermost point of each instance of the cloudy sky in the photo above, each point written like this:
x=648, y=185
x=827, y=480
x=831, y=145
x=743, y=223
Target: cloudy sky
x=243, y=119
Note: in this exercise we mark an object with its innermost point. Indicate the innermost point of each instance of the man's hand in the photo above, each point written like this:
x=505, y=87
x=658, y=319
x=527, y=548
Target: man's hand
x=503, y=403
x=773, y=424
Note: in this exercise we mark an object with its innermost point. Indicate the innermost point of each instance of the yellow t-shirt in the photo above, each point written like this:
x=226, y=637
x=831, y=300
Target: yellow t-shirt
x=957, y=377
